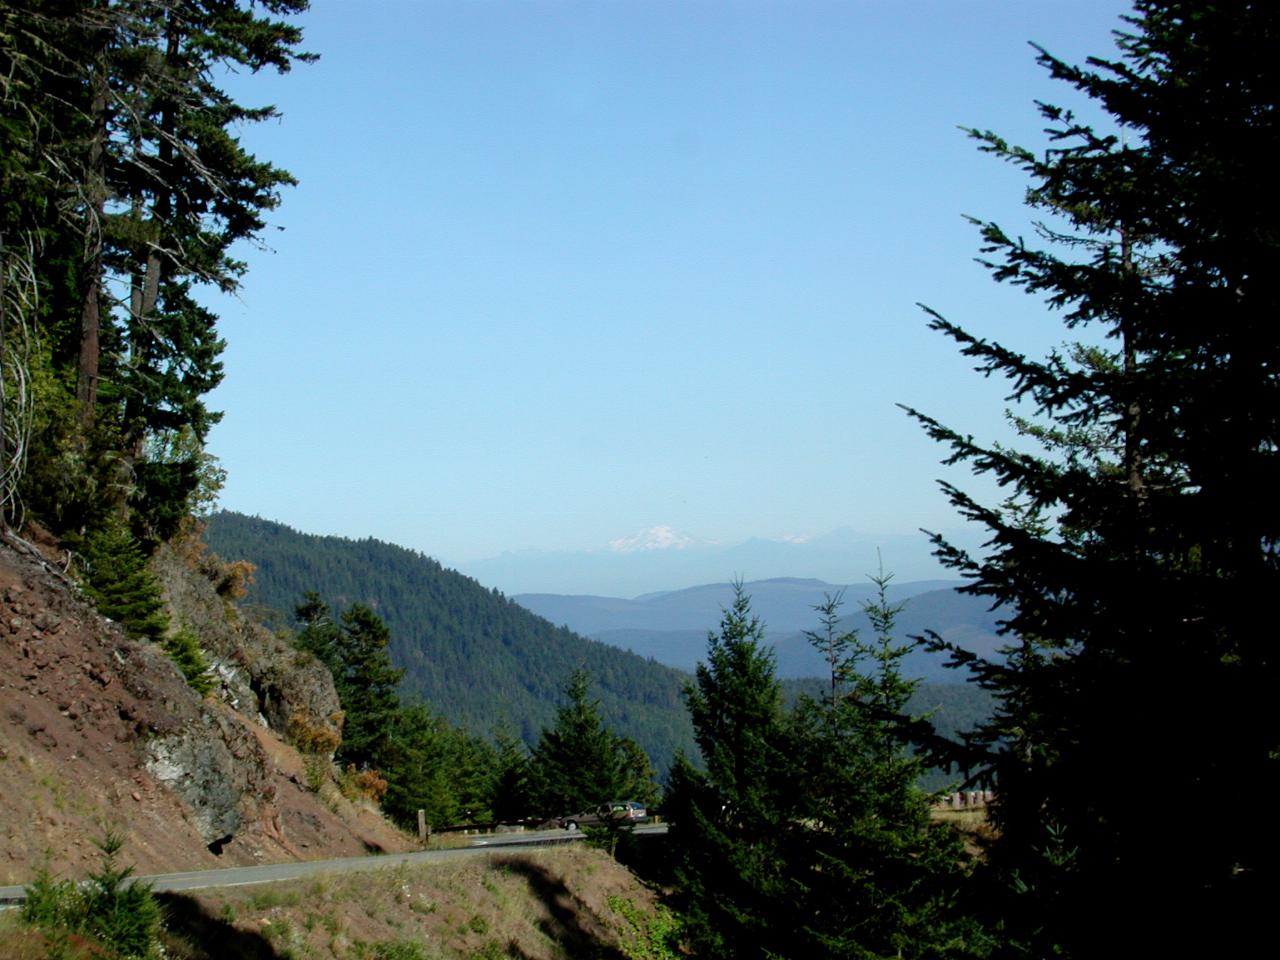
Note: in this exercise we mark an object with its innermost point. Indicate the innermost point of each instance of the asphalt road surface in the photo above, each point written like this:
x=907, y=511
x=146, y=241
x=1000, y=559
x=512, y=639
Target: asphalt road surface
x=274, y=872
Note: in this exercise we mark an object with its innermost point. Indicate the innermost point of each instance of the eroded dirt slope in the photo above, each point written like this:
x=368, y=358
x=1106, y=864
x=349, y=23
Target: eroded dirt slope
x=98, y=732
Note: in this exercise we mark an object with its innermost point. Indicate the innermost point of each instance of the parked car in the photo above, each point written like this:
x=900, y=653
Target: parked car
x=615, y=811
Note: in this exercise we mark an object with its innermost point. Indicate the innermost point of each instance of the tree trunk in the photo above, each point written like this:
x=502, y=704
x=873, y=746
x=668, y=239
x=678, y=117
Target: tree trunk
x=96, y=200
x=1133, y=406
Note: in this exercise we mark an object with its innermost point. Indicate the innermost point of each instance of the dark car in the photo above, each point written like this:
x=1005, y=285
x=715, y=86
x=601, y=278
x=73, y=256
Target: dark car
x=615, y=811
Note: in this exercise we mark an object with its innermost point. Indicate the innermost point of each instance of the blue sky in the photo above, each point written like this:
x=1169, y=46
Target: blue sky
x=559, y=272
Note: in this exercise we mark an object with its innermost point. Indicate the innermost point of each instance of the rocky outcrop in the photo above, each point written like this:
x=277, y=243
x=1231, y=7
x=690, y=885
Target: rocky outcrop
x=216, y=766
x=199, y=770
x=259, y=674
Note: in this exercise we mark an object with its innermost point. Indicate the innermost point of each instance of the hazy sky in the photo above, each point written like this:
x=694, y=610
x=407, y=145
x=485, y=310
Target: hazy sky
x=559, y=272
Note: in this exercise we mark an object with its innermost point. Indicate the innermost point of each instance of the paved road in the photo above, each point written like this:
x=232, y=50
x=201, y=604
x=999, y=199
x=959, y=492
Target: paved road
x=272, y=873
x=543, y=837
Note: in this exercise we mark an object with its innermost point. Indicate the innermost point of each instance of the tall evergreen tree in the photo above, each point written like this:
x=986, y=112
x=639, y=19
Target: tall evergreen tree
x=367, y=684
x=318, y=633
x=355, y=651
x=185, y=191
x=41, y=133
x=872, y=875
x=511, y=794
x=1140, y=548
x=806, y=835
x=436, y=768
x=580, y=763
x=123, y=172
x=728, y=819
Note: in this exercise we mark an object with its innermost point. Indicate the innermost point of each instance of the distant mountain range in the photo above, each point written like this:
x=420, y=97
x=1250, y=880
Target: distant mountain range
x=664, y=559
x=484, y=661
x=671, y=627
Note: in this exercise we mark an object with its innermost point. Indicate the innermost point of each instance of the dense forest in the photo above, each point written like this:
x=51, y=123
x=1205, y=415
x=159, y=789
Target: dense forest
x=480, y=660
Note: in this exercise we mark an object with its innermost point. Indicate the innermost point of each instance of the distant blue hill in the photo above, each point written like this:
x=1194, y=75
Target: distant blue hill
x=671, y=627
x=783, y=604
x=841, y=556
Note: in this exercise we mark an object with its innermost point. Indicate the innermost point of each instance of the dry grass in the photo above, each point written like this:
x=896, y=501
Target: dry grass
x=972, y=824
x=543, y=905
x=18, y=942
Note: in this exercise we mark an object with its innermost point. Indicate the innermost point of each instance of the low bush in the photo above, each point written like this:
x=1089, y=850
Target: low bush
x=118, y=912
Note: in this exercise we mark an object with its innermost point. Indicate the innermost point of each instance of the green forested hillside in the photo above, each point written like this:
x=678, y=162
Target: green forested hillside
x=477, y=658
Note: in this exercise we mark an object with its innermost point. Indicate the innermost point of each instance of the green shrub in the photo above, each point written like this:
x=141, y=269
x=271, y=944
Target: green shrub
x=120, y=585
x=121, y=914
x=398, y=950
x=50, y=904
x=645, y=937
x=183, y=648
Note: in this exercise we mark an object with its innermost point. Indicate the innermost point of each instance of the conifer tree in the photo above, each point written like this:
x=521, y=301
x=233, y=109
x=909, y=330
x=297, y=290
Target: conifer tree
x=511, y=792
x=1139, y=551
x=367, y=684
x=318, y=634
x=873, y=875
x=435, y=768
x=355, y=651
x=110, y=906
x=122, y=171
x=580, y=763
x=728, y=818
x=120, y=584
x=807, y=835
x=183, y=648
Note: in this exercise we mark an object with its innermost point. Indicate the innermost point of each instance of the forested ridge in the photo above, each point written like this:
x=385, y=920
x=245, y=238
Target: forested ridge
x=470, y=654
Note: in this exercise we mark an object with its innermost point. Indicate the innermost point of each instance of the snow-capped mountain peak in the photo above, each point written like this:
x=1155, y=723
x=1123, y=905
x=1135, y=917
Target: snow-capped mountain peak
x=655, y=538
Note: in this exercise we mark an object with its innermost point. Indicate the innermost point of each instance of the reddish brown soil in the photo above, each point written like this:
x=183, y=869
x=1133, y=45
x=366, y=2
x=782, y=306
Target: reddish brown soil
x=78, y=703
